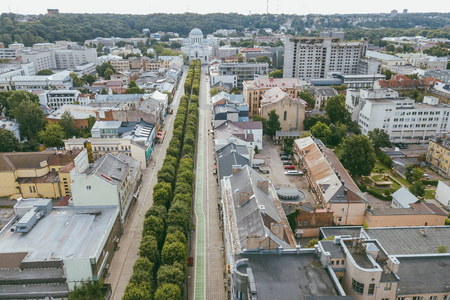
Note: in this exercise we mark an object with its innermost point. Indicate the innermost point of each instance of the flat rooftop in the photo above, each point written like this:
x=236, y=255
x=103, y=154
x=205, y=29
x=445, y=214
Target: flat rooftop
x=65, y=233
x=352, y=231
x=288, y=276
x=411, y=240
x=432, y=278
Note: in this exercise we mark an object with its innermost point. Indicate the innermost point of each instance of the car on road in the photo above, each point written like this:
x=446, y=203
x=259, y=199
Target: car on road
x=284, y=157
x=287, y=162
x=289, y=167
x=293, y=172
x=283, y=153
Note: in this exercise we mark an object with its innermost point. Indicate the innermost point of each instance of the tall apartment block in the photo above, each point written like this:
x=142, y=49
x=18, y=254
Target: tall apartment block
x=307, y=57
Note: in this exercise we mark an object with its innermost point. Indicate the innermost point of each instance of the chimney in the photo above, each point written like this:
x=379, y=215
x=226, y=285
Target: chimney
x=236, y=169
x=243, y=197
x=262, y=209
x=277, y=229
x=263, y=185
x=393, y=264
x=252, y=241
x=251, y=155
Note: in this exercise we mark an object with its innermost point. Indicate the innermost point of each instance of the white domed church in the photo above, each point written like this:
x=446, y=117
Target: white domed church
x=197, y=48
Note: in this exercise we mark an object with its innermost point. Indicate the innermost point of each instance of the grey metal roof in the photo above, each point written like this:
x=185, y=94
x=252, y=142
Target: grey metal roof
x=411, y=240
x=110, y=169
x=404, y=197
x=335, y=250
x=424, y=275
x=288, y=133
x=288, y=276
x=249, y=219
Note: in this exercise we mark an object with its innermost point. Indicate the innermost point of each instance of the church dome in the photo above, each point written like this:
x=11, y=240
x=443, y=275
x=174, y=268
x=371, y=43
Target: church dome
x=196, y=31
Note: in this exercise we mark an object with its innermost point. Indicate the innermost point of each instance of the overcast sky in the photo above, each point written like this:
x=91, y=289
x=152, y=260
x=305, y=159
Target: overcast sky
x=204, y=6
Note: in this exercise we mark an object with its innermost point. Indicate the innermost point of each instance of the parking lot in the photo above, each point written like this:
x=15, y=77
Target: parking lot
x=276, y=175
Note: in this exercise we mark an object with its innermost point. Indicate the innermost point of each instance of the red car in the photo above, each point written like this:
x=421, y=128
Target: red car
x=289, y=167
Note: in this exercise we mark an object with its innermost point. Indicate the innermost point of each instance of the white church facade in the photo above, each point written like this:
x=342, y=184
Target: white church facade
x=195, y=47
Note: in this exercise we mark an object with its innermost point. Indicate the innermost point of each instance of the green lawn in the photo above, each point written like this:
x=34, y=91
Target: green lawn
x=400, y=179
x=429, y=194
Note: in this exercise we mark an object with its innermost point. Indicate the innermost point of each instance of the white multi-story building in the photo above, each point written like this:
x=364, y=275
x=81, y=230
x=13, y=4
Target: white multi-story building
x=314, y=57
x=7, y=71
x=402, y=118
x=56, y=99
x=42, y=59
x=7, y=53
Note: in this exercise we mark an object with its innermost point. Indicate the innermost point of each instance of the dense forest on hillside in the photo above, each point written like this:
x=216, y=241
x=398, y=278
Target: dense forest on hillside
x=79, y=27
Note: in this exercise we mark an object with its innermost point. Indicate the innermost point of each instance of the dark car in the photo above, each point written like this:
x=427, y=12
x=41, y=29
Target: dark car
x=287, y=162
x=285, y=157
x=290, y=167
x=283, y=153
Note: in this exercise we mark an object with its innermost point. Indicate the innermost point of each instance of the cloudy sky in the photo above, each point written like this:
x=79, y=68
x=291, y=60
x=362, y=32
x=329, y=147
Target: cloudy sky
x=204, y=6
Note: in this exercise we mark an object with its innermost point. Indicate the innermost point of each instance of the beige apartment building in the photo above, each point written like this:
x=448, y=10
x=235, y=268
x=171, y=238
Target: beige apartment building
x=291, y=112
x=253, y=90
x=120, y=65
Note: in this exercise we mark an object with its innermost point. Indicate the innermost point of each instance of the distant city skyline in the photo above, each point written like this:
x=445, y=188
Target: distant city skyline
x=325, y=7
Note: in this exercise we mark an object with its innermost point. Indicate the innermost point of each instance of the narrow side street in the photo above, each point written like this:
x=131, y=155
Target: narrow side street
x=122, y=264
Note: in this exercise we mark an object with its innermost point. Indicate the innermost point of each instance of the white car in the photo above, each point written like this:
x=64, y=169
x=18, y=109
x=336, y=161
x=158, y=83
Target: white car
x=292, y=172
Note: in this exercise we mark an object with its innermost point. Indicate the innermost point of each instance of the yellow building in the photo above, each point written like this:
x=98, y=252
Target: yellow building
x=120, y=65
x=438, y=156
x=36, y=174
x=253, y=90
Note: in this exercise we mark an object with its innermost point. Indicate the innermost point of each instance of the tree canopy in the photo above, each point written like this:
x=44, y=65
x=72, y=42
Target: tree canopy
x=358, y=155
x=273, y=123
x=336, y=111
x=9, y=142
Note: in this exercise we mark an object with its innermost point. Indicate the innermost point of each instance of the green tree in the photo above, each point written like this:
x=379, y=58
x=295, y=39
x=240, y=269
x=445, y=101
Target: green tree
x=30, y=118
x=171, y=274
x=174, y=252
x=413, y=174
x=107, y=74
x=336, y=111
x=76, y=81
x=379, y=138
x=312, y=119
x=168, y=291
x=138, y=291
x=390, y=48
x=162, y=194
x=159, y=211
x=103, y=67
x=417, y=189
x=45, y=72
x=14, y=100
x=338, y=132
x=88, y=290
x=104, y=92
x=154, y=226
x=388, y=73
x=68, y=125
x=235, y=90
x=133, y=88
x=176, y=236
x=264, y=59
x=89, y=79
x=149, y=249
x=142, y=271
x=214, y=91
x=321, y=131
x=53, y=135
x=9, y=142
x=308, y=97
x=276, y=74
x=273, y=123
x=358, y=155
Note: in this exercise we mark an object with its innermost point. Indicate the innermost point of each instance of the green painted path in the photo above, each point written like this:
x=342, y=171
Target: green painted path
x=200, y=291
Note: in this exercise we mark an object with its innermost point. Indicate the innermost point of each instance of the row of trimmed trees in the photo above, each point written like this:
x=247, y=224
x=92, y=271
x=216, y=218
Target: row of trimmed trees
x=160, y=271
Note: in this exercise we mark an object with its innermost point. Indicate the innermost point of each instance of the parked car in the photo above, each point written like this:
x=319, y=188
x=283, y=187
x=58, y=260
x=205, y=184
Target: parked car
x=293, y=173
x=290, y=167
x=285, y=157
x=287, y=162
x=283, y=153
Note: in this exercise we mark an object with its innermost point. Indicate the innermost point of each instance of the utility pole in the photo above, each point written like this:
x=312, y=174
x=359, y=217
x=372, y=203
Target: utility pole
x=267, y=7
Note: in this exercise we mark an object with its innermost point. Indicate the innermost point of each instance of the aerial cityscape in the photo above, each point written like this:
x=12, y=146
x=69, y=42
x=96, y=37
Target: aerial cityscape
x=173, y=152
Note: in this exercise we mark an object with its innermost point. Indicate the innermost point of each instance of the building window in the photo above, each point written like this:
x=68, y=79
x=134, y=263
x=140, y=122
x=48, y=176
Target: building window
x=340, y=219
x=371, y=289
x=285, y=115
x=388, y=286
x=433, y=297
x=332, y=262
x=400, y=298
x=384, y=298
x=446, y=297
x=305, y=223
x=88, y=187
x=358, y=287
x=417, y=298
